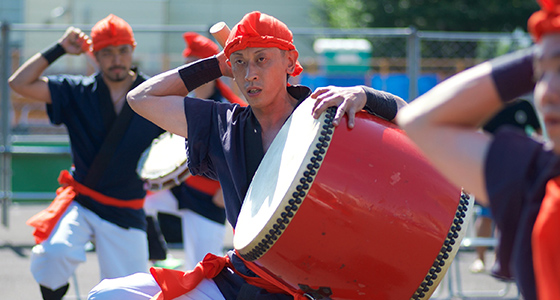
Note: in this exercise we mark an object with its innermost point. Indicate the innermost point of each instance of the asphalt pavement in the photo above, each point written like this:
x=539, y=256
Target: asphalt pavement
x=17, y=283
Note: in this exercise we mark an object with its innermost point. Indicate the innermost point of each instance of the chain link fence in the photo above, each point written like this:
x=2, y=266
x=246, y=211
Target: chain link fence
x=403, y=61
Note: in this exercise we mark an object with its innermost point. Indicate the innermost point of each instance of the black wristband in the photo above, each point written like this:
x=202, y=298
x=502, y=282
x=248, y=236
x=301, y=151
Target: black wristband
x=53, y=52
x=200, y=72
x=380, y=103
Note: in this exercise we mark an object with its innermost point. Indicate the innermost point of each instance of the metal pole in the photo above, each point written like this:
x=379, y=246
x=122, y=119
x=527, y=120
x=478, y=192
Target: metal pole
x=5, y=141
x=413, y=63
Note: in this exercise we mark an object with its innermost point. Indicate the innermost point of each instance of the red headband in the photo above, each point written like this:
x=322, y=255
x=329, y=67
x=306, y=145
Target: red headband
x=258, y=30
x=111, y=31
x=199, y=46
x=546, y=20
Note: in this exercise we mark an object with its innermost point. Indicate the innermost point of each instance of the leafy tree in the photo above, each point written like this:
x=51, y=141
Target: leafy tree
x=442, y=15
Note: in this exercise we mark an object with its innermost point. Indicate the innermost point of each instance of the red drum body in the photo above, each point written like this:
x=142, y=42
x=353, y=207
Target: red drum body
x=350, y=213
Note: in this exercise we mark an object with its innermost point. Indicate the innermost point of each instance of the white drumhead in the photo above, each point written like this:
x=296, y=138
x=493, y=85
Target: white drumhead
x=166, y=154
x=277, y=176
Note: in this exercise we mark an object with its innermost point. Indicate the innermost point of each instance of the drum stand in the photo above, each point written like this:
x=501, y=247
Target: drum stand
x=497, y=294
x=75, y=284
x=454, y=273
x=89, y=247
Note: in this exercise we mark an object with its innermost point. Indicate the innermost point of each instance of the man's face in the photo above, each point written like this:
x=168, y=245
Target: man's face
x=547, y=90
x=115, y=61
x=261, y=73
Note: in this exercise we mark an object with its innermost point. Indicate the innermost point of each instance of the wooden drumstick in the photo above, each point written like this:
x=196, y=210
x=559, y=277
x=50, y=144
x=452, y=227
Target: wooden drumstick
x=220, y=31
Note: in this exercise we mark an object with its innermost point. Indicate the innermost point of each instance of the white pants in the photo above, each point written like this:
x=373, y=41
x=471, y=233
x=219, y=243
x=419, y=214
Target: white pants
x=200, y=235
x=142, y=286
x=120, y=251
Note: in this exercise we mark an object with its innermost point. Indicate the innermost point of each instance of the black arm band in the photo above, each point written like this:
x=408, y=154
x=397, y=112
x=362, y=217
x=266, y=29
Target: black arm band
x=381, y=103
x=200, y=72
x=53, y=53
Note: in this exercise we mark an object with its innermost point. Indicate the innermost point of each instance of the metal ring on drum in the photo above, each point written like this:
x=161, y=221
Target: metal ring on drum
x=341, y=213
x=164, y=164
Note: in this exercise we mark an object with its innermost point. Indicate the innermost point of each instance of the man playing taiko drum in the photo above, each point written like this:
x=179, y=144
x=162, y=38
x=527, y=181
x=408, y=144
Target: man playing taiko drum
x=227, y=142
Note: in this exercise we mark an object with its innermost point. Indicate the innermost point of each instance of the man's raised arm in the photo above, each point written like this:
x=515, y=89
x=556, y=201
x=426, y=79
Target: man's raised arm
x=27, y=80
x=160, y=98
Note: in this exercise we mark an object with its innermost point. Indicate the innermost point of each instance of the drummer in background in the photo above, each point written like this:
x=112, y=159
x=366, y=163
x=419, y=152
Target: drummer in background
x=227, y=142
x=102, y=199
x=521, y=114
x=515, y=174
x=198, y=201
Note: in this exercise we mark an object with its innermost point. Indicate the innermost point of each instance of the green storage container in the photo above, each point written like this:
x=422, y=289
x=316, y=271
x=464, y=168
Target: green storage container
x=344, y=56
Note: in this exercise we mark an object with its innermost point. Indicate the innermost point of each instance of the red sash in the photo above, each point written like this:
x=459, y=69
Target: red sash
x=174, y=283
x=45, y=221
x=66, y=179
x=199, y=183
x=546, y=243
x=203, y=184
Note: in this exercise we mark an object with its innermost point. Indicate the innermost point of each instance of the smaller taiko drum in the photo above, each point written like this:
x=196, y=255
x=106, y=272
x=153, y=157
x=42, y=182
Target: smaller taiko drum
x=164, y=164
x=341, y=213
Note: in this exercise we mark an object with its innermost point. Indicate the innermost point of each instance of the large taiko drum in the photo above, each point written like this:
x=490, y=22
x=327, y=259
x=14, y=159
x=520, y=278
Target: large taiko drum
x=358, y=213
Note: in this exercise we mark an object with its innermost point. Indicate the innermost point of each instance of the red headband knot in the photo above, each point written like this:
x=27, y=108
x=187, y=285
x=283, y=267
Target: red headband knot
x=111, y=31
x=258, y=30
x=199, y=46
x=546, y=20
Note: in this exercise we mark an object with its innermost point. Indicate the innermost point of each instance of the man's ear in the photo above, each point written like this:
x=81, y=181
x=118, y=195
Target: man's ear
x=292, y=56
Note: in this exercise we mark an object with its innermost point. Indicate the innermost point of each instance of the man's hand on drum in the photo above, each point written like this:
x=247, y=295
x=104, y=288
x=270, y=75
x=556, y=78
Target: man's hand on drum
x=349, y=100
